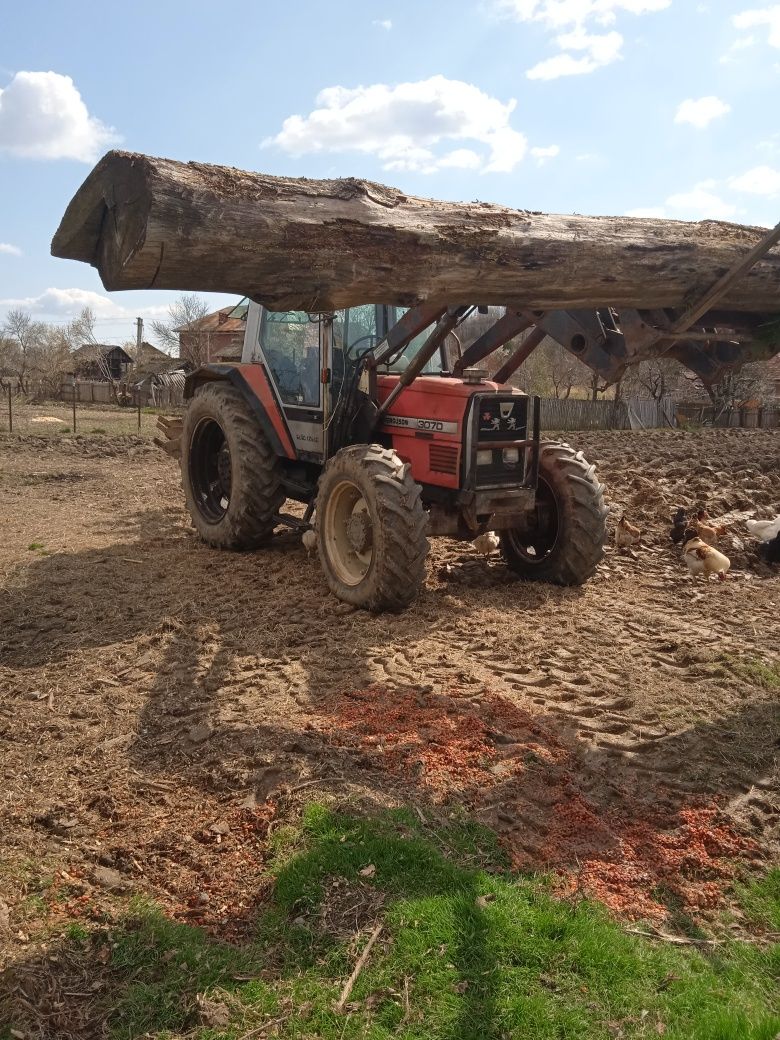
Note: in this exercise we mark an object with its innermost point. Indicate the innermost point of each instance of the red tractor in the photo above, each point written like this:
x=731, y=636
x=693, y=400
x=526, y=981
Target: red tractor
x=387, y=433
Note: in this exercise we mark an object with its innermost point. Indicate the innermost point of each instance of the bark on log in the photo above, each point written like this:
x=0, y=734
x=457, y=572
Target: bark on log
x=293, y=243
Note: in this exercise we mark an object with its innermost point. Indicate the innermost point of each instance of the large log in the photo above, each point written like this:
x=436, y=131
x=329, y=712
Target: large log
x=294, y=243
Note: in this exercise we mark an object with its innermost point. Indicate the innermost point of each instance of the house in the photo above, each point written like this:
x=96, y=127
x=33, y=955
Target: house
x=150, y=361
x=216, y=337
x=100, y=362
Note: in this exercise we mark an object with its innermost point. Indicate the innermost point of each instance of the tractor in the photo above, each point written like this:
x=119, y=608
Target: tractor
x=375, y=420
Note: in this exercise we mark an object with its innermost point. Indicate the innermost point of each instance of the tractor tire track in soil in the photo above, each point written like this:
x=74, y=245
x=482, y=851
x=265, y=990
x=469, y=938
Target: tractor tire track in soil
x=166, y=704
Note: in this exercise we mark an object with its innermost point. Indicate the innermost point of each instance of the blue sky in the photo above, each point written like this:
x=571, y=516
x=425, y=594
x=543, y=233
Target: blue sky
x=657, y=107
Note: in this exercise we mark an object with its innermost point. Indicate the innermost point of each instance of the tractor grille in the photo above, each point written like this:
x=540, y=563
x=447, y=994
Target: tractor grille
x=444, y=458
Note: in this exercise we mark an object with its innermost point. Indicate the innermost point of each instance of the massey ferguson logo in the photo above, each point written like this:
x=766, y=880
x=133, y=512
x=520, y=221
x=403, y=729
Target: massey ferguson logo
x=505, y=420
x=414, y=423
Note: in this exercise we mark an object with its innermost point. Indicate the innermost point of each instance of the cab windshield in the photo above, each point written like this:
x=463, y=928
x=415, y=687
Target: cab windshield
x=433, y=366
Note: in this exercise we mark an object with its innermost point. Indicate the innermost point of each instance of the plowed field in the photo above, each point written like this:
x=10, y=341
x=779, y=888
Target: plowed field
x=164, y=705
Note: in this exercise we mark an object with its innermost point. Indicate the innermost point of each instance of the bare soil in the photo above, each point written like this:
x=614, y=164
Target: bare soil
x=165, y=705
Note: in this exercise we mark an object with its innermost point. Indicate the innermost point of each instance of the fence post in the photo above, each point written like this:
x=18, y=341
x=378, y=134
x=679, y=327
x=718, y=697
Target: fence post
x=75, y=389
x=10, y=410
x=138, y=404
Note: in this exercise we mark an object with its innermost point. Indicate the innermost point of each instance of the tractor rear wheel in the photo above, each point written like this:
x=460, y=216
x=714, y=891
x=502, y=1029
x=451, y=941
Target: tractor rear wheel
x=564, y=543
x=370, y=526
x=231, y=476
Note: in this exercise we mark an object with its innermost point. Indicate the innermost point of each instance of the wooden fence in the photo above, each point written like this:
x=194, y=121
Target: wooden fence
x=95, y=392
x=629, y=414
x=764, y=417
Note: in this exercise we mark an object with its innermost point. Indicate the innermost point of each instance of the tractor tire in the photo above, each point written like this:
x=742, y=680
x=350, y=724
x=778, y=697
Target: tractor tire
x=230, y=473
x=370, y=527
x=567, y=542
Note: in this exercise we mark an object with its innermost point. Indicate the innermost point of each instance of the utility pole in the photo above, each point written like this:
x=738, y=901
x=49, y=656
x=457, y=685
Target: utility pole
x=139, y=339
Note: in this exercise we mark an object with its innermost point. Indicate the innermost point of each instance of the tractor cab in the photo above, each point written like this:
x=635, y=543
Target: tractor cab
x=310, y=360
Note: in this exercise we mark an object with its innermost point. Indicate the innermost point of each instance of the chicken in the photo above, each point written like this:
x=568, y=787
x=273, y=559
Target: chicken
x=710, y=533
x=770, y=551
x=486, y=543
x=626, y=534
x=701, y=558
x=764, y=530
x=309, y=540
x=679, y=526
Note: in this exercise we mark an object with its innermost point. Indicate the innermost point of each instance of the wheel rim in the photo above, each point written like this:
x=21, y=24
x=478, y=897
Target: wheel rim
x=210, y=470
x=347, y=533
x=535, y=543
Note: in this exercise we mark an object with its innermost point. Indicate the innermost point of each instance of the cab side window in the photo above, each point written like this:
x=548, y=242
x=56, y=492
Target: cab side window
x=290, y=342
x=360, y=331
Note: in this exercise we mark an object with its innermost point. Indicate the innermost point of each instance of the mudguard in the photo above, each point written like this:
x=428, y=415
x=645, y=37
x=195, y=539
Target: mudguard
x=253, y=383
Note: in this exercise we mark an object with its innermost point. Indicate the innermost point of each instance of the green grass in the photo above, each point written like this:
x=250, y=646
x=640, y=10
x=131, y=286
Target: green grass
x=761, y=901
x=754, y=670
x=467, y=952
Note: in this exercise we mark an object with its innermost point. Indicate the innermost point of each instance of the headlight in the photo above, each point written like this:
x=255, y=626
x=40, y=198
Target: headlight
x=485, y=458
x=510, y=455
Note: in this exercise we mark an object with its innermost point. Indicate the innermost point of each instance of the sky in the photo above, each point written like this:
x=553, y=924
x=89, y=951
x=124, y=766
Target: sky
x=663, y=108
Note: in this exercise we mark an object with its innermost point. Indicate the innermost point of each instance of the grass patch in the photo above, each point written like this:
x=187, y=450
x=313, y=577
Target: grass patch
x=97, y=429
x=39, y=547
x=761, y=901
x=753, y=670
x=467, y=952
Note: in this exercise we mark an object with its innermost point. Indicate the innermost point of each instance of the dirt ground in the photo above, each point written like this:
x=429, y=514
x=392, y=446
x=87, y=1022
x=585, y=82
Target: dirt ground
x=165, y=705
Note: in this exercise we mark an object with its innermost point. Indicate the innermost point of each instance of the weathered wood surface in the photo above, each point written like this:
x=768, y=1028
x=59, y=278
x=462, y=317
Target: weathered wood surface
x=320, y=244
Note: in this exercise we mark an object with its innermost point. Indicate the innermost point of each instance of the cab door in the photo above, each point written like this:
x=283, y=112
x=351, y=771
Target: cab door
x=290, y=346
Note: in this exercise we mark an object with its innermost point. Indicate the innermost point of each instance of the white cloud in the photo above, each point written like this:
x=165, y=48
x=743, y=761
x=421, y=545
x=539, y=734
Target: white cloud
x=383, y=23
x=657, y=212
x=700, y=203
x=543, y=154
x=740, y=44
x=761, y=16
x=62, y=304
x=582, y=51
x=403, y=124
x=6, y=247
x=701, y=111
x=599, y=50
x=43, y=116
x=556, y=14
x=761, y=180
x=461, y=159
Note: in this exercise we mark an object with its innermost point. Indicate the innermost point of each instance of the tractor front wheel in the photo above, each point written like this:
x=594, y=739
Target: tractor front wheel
x=564, y=541
x=370, y=527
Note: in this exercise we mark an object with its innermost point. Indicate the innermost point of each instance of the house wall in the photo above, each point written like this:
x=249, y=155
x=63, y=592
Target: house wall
x=218, y=342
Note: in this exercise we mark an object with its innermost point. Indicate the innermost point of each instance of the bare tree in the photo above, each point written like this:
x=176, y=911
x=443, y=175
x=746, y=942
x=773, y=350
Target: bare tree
x=183, y=333
x=25, y=335
x=736, y=388
x=9, y=356
x=51, y=362
x=655, y=378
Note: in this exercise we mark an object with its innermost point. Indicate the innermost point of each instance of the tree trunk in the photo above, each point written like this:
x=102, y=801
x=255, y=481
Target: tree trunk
x=322, y=244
